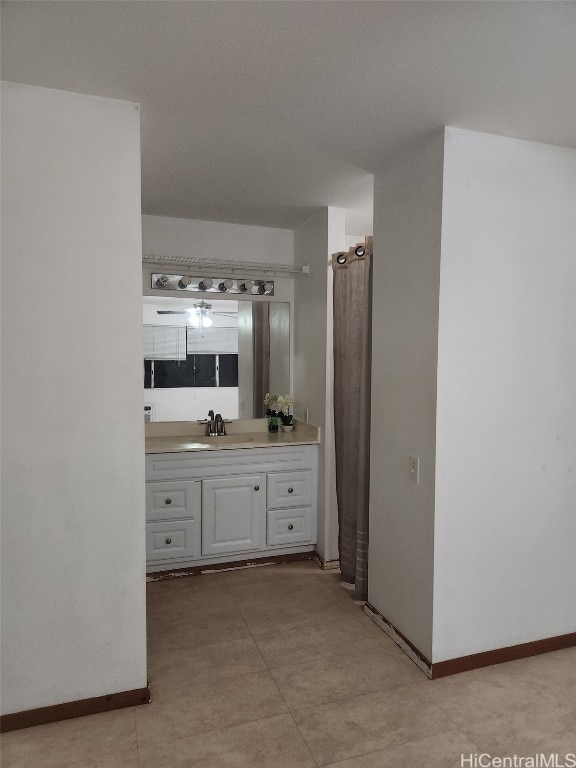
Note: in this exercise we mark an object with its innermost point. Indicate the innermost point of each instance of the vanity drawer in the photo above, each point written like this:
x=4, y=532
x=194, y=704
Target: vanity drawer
x=289, y=526
x=176, y=499
x=289, y=489
x=174, y=540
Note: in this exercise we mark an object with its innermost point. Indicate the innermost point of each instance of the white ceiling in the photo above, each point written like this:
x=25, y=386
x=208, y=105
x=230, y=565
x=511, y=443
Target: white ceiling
x=261, y=112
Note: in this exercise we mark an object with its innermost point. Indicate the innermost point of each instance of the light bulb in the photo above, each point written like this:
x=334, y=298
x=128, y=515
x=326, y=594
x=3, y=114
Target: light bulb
x=184, y=281
x=194, y=320
x=206, y=322
x=205, y=283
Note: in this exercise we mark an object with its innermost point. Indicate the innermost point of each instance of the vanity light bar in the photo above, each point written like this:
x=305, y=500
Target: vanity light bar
x=165, y=282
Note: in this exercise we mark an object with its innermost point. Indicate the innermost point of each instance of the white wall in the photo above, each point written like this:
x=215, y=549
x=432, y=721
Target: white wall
x=407, y=231
x=162, y=236
x=73, y=560
x=314, y=242
x=474, y=372
x=506, y=450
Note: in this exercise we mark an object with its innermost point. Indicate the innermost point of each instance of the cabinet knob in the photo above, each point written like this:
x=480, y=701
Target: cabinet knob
x=290, y=527
x=168, y=541
x=256, y=487
x=167, y=501
x=290, y=490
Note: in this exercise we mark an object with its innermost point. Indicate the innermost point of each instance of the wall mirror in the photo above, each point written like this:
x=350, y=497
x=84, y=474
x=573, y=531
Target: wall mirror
x=211, y=353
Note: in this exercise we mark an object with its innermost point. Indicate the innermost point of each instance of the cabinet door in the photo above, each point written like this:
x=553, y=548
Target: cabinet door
x=232, y=514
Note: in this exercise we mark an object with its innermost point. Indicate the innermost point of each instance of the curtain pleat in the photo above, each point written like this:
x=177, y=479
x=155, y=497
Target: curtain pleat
x=352, y=365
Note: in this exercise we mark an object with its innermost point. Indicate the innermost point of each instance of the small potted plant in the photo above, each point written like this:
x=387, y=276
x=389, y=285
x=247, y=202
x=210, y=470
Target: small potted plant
x=283, y=403
x=271, y=403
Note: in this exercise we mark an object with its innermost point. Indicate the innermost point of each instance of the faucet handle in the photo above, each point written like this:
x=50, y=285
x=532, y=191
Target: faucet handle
x=211, y=414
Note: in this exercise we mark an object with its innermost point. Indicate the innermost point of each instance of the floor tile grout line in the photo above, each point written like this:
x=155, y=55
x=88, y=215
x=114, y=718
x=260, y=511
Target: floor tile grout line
x=316, y=763
x=297, y=625
x=370, y=644
x=195, y=646
x=394, y=746
x=470, y=740
x=136, y=734
x=233, y=676
x=256, y=672
x=424, y=686
x=356, y=696
x=244, y=608
x=211, y=730
x=289, y=711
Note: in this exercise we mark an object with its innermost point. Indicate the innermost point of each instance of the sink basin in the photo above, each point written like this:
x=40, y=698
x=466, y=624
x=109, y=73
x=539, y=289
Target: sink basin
x=227, y=439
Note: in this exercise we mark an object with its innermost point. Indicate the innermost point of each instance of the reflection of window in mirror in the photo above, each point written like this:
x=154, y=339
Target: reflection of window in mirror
x=226, y=362
x=217, y=370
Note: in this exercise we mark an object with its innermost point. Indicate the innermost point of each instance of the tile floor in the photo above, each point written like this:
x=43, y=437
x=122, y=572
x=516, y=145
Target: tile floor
x=277, y=667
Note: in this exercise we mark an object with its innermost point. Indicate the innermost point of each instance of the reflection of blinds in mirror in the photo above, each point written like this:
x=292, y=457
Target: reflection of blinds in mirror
x=164, y=342
x=212, y=341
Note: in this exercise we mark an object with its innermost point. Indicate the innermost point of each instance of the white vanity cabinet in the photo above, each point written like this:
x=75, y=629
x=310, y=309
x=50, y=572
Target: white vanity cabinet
x=218, y=506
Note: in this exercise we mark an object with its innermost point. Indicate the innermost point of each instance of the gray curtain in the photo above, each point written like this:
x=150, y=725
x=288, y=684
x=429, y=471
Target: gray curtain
x=352, y=363
x=261, y=355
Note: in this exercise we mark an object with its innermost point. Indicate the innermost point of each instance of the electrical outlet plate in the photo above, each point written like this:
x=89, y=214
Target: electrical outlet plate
x=414, y=469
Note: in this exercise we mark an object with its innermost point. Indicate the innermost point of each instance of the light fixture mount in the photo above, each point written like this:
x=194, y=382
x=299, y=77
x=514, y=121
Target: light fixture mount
x=169, y=282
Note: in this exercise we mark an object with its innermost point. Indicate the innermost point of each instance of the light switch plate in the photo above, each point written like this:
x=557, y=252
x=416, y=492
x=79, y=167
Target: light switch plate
x=414, y=469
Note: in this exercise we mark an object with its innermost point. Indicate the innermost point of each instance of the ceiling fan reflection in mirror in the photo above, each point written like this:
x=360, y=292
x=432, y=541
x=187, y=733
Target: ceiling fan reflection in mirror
x=199, y=316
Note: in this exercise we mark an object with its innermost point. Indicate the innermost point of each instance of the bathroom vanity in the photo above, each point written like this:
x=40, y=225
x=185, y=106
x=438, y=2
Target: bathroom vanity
x=210, y=500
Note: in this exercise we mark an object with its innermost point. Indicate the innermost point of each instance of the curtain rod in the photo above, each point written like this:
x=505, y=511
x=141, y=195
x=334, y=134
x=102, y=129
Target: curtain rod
x=238, y=266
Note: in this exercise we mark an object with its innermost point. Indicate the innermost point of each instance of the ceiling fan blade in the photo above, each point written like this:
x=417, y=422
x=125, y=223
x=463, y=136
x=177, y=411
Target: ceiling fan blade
x=171, y=312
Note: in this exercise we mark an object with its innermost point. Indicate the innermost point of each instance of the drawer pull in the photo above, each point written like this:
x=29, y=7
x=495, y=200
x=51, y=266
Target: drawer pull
x=290, y=490
x=167, y=501
x=290, y=527
x=256, y=487
x=168, y=541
